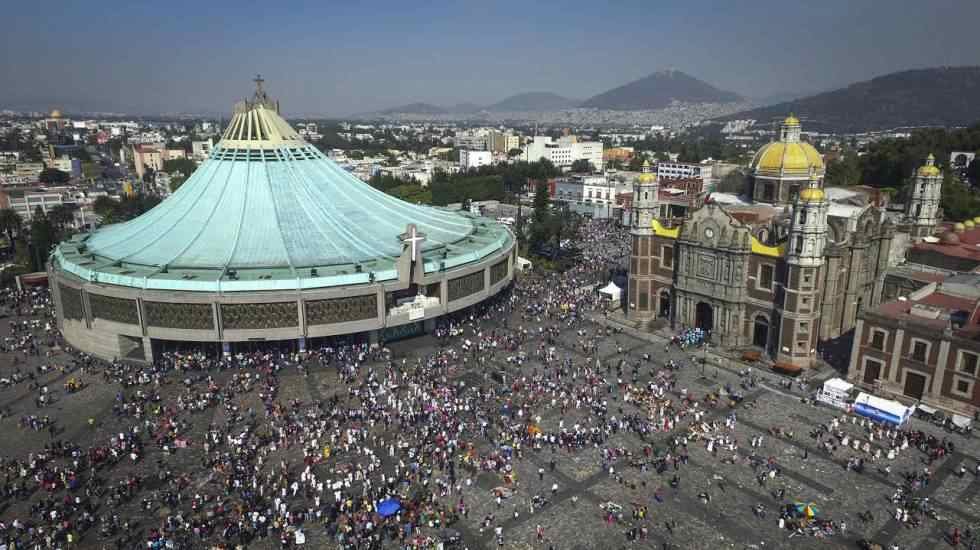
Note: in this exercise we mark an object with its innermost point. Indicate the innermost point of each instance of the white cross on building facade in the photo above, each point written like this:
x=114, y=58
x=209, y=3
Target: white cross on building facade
x=413, y=238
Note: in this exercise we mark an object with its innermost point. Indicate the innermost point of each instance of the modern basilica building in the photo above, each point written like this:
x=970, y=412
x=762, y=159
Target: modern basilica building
x=269, y=240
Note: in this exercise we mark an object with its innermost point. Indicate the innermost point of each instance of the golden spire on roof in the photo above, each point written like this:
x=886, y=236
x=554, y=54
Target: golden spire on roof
x=257, y=124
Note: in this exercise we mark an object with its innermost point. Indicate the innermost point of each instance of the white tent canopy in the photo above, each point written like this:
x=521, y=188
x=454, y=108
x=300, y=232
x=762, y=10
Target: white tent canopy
x=835, y=392
x=837, y=385
x=611, y=290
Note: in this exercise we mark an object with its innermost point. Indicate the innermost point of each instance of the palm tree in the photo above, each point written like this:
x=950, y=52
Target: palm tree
x=11, y=223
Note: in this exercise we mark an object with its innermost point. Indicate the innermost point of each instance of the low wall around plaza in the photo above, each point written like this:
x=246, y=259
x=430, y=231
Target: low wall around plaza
x=115, y=322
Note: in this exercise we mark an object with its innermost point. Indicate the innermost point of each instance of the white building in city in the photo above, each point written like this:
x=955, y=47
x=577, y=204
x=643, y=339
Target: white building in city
x=473, y=140
x=675, y=170
x=474, y=159
x=564, y=152
x=586, y=189
x=201, y=149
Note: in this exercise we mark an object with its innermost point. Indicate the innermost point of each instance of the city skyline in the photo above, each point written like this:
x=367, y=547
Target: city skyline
x=351, y=59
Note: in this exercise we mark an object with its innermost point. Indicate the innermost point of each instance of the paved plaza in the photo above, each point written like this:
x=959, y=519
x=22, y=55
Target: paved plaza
x=585, y=477
x=526, y=423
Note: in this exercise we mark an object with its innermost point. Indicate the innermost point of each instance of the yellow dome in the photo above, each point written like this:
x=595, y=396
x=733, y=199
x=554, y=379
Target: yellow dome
x=969, y=224
x=812, y=194
x=929, y=169
x=959, y=228
x=55, y=114
x=976, y=220
x=795, y=158
x=646, y=178
x=791, y=121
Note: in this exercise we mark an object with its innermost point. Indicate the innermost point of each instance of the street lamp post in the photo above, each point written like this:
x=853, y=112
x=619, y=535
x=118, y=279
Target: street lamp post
x=704, y=359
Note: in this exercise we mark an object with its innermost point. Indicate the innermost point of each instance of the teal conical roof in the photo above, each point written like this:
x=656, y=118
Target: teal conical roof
x=266, y=199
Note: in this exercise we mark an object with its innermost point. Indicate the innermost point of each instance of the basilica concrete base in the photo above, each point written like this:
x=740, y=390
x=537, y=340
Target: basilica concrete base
x=114, y=322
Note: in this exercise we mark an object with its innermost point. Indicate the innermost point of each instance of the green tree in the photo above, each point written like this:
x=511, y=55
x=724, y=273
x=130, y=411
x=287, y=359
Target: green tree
x=113, y=211
x=733, y=182
x=11, y=224
x=540, y=226
x=62, y=216
x=176, y=182
x=636, y=163
x=104, y=206
x=53, y=176
x=843, y=171
x=83, y=155
x=958, y=202
x=92, y=170
x=973, y=170
x=44, y=236
x=582, y=166
x=515, y=152
x=182, y=166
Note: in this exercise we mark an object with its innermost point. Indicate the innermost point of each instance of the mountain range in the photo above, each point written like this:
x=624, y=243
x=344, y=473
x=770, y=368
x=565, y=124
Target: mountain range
x=518, y=103
x=533, y=101
x=941, y=96
x=659, y=90
x=651, y=92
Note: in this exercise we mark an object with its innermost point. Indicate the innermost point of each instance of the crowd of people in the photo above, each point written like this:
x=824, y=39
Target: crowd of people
x=204, y=451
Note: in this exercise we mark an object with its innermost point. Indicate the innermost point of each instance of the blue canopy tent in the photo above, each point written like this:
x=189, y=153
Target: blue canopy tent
x=882, y=410
x=389, y=507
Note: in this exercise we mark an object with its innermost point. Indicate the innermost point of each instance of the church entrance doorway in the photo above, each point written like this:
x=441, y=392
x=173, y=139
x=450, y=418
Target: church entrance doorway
x=704, y=316
x=760, y=333
x=664, y=304
x=915, y=385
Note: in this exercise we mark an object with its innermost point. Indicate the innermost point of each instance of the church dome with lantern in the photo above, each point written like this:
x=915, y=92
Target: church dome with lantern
x=789, y=156
x=929, y=169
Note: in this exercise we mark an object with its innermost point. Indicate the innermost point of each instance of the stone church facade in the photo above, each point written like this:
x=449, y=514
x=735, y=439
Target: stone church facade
x=779, y=277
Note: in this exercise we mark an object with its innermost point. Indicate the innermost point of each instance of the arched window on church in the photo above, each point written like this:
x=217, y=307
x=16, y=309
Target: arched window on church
x=646, y=195
x=799, y=244
x=803, y=216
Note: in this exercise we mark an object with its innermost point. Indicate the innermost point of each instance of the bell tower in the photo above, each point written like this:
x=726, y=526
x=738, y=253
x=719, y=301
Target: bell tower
x=646, y=205
x=922, y=210
x=800, y=309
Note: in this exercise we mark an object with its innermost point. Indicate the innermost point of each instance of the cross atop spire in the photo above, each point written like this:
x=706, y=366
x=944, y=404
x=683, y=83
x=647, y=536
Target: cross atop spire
x=260, y=95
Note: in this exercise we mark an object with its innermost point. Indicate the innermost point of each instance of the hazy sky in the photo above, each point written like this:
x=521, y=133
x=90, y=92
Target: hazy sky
x=342, y=57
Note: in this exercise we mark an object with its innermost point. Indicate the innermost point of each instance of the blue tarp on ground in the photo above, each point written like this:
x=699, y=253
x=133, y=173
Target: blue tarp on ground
x=389, y=507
